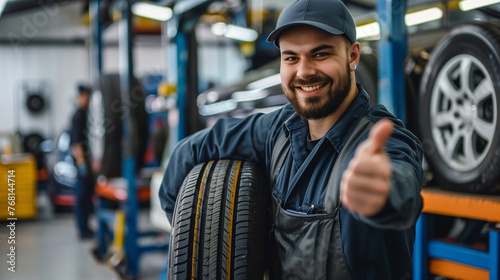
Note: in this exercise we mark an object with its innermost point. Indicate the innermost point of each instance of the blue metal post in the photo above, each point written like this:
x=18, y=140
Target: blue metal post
x=392, y=52
x=95, y=72
x=128, y=159
x=96, y=31
x=182, y=80
x=420, y=249
x=132, y=252
x=494, y=254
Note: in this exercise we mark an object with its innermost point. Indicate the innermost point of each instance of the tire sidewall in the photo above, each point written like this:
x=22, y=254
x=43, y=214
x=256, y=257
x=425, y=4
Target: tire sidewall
x=468, y=40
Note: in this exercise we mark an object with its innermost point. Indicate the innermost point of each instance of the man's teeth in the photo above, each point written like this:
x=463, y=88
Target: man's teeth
x=311, y=88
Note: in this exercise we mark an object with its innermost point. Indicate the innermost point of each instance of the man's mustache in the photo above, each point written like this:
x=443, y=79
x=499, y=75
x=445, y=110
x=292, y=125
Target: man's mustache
x=297, y=82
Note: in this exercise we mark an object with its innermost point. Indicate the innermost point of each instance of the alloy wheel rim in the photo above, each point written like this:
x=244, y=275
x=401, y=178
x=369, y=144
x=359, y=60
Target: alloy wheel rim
x=463, y=111
x=96, y=122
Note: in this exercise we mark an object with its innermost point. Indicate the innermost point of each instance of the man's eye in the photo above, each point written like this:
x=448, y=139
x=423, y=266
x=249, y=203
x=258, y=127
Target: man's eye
x=320, y=54
x=291, y=58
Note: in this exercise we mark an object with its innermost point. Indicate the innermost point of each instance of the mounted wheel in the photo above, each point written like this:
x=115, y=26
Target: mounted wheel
x=458, y=105
x=105, y=124
x=220, y=223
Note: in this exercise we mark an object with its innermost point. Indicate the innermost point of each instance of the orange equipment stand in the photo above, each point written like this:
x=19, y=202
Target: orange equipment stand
x=454, y=261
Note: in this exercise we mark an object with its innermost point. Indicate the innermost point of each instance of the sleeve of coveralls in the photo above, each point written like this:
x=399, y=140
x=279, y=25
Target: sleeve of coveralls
x=229, y=138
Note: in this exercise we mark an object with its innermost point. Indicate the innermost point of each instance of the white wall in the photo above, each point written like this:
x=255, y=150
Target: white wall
x=147, y=60
x=60, y=67
x=222, y=65
x=23, y=58
x=23, y=61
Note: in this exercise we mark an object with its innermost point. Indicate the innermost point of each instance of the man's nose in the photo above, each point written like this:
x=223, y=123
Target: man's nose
x=305, y=69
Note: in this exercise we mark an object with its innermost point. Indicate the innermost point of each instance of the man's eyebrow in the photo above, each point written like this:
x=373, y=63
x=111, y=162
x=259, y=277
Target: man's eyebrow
x=287, y=52
x=322, y=47
x=315, y=50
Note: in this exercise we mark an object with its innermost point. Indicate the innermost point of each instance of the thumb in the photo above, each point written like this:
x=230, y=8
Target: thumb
x=379, y=134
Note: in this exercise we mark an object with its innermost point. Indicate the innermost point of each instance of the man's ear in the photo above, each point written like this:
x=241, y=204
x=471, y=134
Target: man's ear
x=354, y=54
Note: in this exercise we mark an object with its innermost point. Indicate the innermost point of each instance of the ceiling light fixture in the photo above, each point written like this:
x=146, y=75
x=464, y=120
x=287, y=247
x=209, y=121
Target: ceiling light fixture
x=265, y=82
x=467, y=5
x=2, y=6
x=152, y=11
x=372, y=30
x=234, y=32
x=423, y=16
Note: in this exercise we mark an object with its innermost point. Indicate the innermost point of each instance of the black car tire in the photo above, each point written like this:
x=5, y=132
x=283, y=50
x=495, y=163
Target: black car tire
x=31, y=144
x=105, y=124
x=367, y=75
x=458, y=106
x=220, y=223
x=35, y=103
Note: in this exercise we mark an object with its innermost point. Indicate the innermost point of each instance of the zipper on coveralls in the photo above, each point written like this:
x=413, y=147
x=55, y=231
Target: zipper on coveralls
x=311, y=209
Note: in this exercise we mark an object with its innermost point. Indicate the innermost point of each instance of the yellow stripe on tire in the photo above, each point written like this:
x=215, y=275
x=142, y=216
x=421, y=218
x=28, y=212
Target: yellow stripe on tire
x=230, y=218
x=197, y=221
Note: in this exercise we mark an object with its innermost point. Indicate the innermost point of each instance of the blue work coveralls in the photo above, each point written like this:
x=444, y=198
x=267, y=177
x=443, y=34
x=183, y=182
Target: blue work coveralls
x=378, y=247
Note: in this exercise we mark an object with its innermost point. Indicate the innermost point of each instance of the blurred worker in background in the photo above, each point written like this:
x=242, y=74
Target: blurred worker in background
x=84, y=188
x=355, y=224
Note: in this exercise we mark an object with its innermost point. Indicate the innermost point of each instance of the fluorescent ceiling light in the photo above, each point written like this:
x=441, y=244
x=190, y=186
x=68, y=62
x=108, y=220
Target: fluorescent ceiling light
x=467, y=5
x=241, y=33
x=265, y=82
x=2, y=6
x=370, y=30
x=219, y=28
x=423, y=16
x=234, y=32
x=249, y=95
x=218, y=108
x=152, y=11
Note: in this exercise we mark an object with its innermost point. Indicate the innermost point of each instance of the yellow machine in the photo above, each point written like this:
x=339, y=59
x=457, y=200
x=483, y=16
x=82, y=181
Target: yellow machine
x=18, y=186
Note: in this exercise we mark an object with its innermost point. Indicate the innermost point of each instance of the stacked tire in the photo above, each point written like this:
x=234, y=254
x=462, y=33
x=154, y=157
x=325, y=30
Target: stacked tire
x=109, y=107
x=459, y=100
x=221, y=223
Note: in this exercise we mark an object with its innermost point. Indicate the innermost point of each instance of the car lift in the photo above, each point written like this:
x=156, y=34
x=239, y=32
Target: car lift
x=125, y=253
x=434, y=256
x=180, y=31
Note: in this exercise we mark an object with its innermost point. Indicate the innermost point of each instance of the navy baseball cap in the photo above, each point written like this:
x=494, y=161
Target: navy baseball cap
x=331, y=16
x=83, y=88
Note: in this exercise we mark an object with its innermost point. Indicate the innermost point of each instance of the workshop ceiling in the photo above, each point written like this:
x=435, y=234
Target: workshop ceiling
x=13, y=6
x=358, y=7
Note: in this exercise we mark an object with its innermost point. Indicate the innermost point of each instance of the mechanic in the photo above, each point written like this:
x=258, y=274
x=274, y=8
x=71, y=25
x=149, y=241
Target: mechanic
x=84, y=187
x=360, y=228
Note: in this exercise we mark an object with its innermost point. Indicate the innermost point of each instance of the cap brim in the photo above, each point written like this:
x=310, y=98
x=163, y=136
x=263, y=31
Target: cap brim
x=273, y=36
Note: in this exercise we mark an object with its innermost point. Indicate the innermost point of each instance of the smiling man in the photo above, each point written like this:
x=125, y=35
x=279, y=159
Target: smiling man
x=346, y=196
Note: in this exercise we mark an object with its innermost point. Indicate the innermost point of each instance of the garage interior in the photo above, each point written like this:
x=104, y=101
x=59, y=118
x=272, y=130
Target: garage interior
x=162, y=70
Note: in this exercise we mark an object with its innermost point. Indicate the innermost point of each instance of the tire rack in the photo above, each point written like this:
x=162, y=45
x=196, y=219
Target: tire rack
x=451, y=260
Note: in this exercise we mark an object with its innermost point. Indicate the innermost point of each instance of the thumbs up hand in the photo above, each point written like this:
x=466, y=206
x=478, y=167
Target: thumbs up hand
x=366, y=183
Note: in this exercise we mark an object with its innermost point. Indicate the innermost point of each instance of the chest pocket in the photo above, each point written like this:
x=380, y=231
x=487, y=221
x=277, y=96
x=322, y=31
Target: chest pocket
x=310, y=246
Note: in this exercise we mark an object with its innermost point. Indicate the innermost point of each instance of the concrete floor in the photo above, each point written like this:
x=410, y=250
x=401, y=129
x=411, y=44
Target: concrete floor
x=48, y=248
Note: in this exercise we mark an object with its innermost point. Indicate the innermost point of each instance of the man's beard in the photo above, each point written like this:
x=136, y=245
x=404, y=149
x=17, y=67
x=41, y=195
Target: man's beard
x=314, y=108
